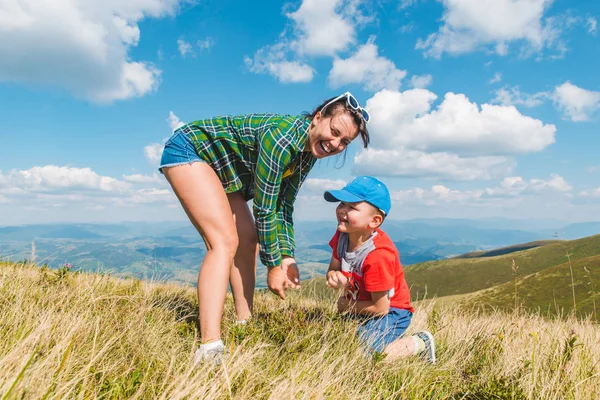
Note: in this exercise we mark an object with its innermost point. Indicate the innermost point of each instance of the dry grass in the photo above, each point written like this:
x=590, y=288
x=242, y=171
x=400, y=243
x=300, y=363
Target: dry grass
x=86, y=336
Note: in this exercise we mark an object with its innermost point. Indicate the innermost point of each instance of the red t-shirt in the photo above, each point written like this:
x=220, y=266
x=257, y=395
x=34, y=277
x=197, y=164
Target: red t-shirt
x=375, y=267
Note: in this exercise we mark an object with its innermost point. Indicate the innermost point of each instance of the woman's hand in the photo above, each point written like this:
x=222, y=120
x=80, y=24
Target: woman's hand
x=284, y=277
x=336, y=280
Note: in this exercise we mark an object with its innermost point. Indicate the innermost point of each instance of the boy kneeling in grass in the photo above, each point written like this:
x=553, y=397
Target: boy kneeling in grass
x=366, y=264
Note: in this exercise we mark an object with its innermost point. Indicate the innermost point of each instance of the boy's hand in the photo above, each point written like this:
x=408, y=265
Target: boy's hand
x=336, y=280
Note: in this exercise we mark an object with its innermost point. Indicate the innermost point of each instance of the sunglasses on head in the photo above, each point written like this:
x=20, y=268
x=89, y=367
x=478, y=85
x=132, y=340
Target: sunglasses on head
x=352, y=102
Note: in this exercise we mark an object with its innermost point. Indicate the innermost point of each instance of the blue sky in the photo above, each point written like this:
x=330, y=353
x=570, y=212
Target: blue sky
x=480, y=108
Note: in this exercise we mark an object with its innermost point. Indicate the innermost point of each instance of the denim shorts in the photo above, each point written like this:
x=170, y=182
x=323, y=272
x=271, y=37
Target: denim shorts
x=376, y=333
x=179, y=150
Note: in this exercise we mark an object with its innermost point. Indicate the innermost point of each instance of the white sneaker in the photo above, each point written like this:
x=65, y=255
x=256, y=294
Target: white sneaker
x=429, y=353
x=210, y=352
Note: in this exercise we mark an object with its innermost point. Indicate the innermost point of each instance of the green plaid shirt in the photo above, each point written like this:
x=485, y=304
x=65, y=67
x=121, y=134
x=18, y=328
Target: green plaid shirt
x=261, y=156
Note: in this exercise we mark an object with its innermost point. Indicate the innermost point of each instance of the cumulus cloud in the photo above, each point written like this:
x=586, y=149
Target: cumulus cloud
x=420, y=81
x=516, y=186
x=457, y=140
x=576, y=104
x=174, y=121
x=509, y=96
x=468, y=25
x=82, y=46
x=591, y=193
x=319, y=28
x=153, y=151
x=52, y=178
x=367, y=67
x=139, y=178
x=52, y=186
x=414, y=163
x=316, y=185
x=273, y=60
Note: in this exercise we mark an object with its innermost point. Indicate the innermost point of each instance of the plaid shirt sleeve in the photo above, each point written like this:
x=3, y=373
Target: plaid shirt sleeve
x=285, y=224
x=274, y=155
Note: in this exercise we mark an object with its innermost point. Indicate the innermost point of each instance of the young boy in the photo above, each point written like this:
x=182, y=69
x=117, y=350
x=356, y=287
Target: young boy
x=366, y=264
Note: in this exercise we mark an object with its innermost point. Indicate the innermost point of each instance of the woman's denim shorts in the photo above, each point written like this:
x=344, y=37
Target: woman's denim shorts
x=179, y=150
x=376, y=333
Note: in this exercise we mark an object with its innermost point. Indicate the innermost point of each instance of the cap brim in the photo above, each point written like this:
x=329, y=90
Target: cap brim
x=341, y=195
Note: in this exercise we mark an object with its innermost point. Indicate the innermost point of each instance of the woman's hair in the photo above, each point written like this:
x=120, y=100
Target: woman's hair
x=342, y=105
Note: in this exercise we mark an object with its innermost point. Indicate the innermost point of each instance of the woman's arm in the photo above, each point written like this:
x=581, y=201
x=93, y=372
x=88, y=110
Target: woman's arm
x=274, y=155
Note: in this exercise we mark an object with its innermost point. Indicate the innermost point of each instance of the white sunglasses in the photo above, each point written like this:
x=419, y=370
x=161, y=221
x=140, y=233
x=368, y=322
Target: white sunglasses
x=352, y=102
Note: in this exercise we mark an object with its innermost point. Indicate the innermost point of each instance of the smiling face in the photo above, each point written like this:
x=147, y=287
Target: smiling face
x=359, y=217
x=331, y=135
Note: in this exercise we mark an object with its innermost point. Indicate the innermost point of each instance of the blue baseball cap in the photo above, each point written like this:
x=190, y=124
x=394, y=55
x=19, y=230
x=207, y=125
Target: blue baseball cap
x=363, y=188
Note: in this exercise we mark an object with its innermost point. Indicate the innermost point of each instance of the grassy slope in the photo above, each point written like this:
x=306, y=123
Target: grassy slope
x=92, y=336
x=467, y=275
x=550, y=289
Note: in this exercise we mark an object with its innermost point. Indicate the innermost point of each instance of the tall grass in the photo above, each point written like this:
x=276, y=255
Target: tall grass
x=80, y=336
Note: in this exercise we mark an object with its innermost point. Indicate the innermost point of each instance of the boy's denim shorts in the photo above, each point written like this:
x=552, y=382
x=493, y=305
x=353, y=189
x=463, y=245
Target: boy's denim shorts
x=179, y=150
x=377, y=333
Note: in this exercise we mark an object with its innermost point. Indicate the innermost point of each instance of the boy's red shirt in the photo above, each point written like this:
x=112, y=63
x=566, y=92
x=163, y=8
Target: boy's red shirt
x=381, y=271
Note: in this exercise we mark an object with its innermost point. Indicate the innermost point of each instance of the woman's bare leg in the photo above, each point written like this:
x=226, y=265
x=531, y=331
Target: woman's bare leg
x=202, y=196
x=243, y=270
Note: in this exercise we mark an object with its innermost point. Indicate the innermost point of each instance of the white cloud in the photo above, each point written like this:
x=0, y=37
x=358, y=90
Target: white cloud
x=58, y=193
x=139, y=178
x=52, y=178
x=497, y=78
x=592, y=25
x=509, y=96
x=575, y=103
x=174, y=121
x=82, y=46
x=366, y=67
x=443, y=165
x=317, y=185
x=591, y=193
x=272, y=60
x=459, y=140
x=153, y=153
x=406, y=3
x=320, y=28
x=467, y=26
x=457, y=125
x=205, y=44
x=420, y=81
x=517, y=186
x=593, y=169
x=184, y=48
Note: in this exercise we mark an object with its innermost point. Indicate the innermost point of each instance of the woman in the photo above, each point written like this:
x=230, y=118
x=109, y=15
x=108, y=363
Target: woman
x=216, y=165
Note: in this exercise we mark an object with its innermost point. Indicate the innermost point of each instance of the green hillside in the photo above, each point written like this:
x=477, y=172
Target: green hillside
x=550, y=290
x=467, y=275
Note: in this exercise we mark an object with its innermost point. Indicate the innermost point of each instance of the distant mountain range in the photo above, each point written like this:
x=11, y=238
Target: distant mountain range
x=173, y=251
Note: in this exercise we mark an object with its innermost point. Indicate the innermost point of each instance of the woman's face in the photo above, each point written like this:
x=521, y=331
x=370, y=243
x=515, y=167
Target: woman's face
x=330, y=136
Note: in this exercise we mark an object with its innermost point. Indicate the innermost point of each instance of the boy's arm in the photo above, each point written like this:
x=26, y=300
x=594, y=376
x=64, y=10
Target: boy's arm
x=378, y=305
x=334, y=277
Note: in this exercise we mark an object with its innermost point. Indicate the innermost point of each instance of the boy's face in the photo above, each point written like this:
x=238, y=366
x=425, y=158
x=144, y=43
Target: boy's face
x=357, y=217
